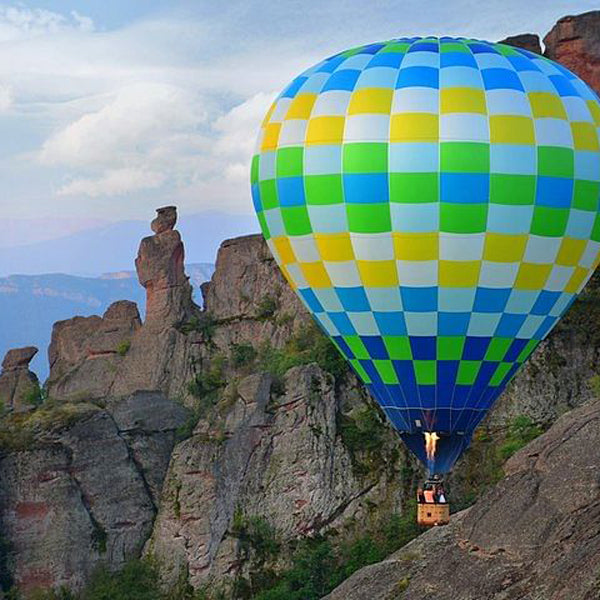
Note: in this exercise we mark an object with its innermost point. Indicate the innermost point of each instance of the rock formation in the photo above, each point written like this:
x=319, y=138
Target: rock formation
x=18, y=385
x=534, y=536
x=575, y=43
x=80, y=485
x=527, y=41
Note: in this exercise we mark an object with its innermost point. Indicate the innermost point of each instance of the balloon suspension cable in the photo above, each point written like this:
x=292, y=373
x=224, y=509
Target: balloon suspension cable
x=431, y=439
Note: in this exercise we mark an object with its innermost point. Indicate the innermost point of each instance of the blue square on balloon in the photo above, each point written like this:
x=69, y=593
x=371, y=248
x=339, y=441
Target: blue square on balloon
x=427, y=396
x=372, y=372
x=331, y=65
x=344, y=79
x=353, y=299
x=423, y=347
x=475, y=347
x=501, y=79
x=544, y=303
x=464, y=188
x=256, y=197
x=509, y=325
x=563, y=86
x=366, y=188
x=311, y=300
x=290, y=191
x=294, y=87
x=375, y=347
x=388, y=59
x=491, y=300
x=343, y=346
x=555, y=192
x=342, y=323
x=544, y=328
x=514, y=350
x=371, y=49
x=480, y=48
x=418, y=77
x=457, y=59
x=453, y=323
x=520, y=63
x=390, y=323
x=446, y=373
x=419, y=299
x=406, y=376
x=424, y=47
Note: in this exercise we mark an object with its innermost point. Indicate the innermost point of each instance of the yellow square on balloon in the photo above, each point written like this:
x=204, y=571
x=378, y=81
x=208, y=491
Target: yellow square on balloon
x=459, y=273
x=546, y=105
x=284, y=250
x=462, y=100
x=334, y=247
x=301, y=106
x=511, y=129
x=585, y=136
x=411, y=127
x=570, y=252
x=416, y=246
x=378, y=273
x=500, y=247
x=576, y=280
x=325, y=130
x=594, y=111
x=371, y=101
x=532, y=276
x=271, y=136
x=316, y=275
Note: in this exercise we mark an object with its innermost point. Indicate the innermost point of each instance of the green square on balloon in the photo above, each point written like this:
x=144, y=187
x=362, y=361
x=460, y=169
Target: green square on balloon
x=289, y=162
x=586, y=194
x=450, y=347
x=296, y=220
x=464, y=157
x=529, y=348
x=355, y=344
x=512, y=189
x=365, y=157
x=467, y=371
x=500, y=373
x=386, y=371
x=497, y=349
x=425, y=372
x=323, y=189
x=254, y=168
x=549, y=222
x=398, y=347
x=463, y=218
x=414, y=187
x=554, y=161
x=263, y=225
x=369, y=218
x=268, y=194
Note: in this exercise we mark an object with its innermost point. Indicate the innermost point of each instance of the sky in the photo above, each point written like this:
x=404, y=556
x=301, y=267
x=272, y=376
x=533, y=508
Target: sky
x=110, y=108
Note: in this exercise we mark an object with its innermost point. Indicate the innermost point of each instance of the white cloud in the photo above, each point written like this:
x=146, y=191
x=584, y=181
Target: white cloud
x=114, y=182
x=6, y=98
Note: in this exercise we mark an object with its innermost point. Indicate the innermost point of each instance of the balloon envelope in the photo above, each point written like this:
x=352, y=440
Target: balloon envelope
x=434, y=203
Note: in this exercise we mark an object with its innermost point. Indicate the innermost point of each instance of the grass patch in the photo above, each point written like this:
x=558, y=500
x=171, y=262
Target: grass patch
x=123, y=347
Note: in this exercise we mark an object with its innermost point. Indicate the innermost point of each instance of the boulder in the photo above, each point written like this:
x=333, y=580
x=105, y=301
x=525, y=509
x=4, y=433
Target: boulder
x=527, y=41
x=19, y=387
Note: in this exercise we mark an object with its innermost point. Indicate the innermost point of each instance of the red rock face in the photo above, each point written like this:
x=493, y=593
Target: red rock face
x=575, y=43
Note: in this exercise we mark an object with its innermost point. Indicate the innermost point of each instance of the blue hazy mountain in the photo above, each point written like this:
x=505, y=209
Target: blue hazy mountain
x=113, y=247
x=30, y=304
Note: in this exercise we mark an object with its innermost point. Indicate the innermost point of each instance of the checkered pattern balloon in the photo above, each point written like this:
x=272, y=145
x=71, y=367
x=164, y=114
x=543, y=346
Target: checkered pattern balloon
x=434, y=203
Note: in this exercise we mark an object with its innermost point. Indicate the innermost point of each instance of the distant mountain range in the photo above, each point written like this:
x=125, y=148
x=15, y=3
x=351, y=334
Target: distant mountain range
x=30, y=304
x=112, y=247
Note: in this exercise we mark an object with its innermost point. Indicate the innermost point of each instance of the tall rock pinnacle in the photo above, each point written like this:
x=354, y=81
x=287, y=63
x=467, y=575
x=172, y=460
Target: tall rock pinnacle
x=160, y=270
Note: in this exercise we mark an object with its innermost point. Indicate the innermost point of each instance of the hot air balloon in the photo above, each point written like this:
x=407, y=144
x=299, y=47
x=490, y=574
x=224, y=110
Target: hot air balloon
x=434, y=204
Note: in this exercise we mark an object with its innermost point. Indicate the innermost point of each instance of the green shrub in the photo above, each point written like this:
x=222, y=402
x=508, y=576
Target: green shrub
x=36, y=395
x=210, y=380
x=123, y=347
x=521, y=431
x=138, y=580
x=242, y=354
x=266, y=308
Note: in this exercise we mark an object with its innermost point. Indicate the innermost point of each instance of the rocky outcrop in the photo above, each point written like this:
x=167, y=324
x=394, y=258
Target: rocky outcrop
x=527, y=41
x=18, y=385
x=280, y=457
x=535, y=536
x=575, y=43
x=79, y=486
